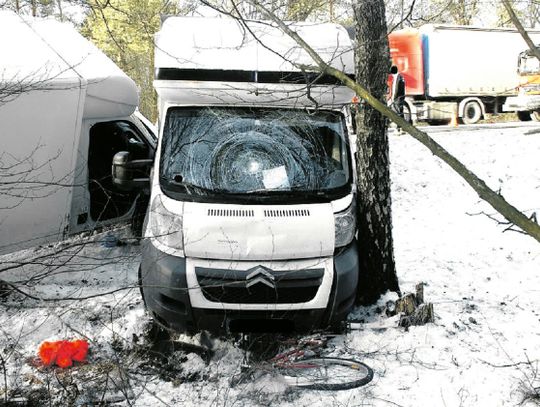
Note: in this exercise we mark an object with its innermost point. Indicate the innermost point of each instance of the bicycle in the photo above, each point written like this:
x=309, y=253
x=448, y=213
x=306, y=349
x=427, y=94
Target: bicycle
x=301, y=367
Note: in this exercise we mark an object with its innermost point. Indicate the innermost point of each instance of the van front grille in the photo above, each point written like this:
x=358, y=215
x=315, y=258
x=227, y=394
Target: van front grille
x=283, y=287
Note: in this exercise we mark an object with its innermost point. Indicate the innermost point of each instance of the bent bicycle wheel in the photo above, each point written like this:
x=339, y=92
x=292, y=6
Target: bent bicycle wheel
x=326, y=373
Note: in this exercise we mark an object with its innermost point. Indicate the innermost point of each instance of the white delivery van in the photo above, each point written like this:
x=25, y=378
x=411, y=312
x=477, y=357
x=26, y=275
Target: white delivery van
x=251, y=221
x=65, y=110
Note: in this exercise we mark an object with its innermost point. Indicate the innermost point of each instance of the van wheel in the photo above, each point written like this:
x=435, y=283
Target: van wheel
x=472, y=112
x=524, y=116
x=535, y=115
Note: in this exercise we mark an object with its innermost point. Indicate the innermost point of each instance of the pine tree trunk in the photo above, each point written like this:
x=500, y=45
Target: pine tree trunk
x=375, y=244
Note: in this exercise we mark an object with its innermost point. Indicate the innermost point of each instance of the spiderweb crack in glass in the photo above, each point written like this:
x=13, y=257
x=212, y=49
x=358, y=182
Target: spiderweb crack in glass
x=254, y=150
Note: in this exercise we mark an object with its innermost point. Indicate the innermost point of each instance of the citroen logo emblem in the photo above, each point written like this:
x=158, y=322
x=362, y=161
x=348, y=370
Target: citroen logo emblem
x=260, y=274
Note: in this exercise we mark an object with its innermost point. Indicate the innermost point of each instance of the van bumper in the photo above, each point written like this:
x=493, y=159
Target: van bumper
x=165, y=290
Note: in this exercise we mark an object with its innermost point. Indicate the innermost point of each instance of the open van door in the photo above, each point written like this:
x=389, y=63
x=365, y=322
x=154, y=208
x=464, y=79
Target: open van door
x=98, y=201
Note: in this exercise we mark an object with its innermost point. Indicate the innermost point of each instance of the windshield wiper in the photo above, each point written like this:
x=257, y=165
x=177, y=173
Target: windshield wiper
x=269, y=190
x=188, y=186
x=262, y=193
x=292, y=195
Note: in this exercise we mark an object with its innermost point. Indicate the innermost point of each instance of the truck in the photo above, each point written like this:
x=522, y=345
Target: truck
x=457, y=71
x=65, y=110
x=251, y=224
x=527, y=102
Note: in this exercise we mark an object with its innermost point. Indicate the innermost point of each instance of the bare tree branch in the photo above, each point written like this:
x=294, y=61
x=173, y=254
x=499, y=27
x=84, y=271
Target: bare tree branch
x=496, y=200
x=515, y=20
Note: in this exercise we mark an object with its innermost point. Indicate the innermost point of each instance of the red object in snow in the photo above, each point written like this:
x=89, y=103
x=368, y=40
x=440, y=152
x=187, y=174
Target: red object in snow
x=63, y=353
x=48, y=351
x=80, y=350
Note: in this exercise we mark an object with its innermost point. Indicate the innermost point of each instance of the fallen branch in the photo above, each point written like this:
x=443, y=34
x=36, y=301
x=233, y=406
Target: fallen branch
x=496, y=200
x=510, y=225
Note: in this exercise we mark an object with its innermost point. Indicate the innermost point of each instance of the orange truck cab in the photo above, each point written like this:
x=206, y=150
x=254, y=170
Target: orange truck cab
x=528, y=98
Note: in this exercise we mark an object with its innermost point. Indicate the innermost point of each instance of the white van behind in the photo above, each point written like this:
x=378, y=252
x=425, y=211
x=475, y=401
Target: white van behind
x=65, y=110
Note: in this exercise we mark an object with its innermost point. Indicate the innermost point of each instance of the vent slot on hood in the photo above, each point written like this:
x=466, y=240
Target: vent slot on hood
x=240, y=213
x=285, y=213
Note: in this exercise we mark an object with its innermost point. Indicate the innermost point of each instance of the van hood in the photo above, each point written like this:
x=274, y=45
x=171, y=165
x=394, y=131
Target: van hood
x=258, y=232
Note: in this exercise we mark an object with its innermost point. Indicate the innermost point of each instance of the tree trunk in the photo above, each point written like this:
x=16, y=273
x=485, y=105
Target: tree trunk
x=60, y=10
x=375, y=243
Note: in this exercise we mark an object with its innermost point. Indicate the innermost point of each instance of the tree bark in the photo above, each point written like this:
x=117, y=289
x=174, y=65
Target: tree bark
x=375, y=243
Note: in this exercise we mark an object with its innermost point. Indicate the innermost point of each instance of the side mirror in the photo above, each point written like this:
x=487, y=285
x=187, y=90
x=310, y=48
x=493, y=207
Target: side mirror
x=130, y=175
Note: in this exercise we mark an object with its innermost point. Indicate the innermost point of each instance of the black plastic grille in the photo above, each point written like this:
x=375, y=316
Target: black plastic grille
x=240, y=213
x=285, y=213
x=231, y=286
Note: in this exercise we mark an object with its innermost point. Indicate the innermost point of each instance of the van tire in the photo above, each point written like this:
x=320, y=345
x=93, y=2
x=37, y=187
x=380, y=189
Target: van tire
x=535, y=115
x=472, y=112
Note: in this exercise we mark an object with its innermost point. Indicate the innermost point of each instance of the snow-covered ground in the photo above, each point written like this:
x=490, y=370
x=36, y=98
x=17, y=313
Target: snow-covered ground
x=484, y=282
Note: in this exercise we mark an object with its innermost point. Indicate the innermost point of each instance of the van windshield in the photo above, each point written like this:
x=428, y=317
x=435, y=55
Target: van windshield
x=528, y=64
x=254, y=151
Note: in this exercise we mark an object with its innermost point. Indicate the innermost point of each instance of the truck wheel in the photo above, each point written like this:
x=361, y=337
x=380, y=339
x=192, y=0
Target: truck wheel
x=472, y=112
x=524, y=116
x=535, y=115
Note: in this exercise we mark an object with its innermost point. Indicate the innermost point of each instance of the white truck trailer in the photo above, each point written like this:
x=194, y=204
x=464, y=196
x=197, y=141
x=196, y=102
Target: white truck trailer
x=252, y=220
x=65, y=109
x=463, y=70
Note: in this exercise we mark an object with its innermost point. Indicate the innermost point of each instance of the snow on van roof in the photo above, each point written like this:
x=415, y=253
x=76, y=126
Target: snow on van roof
x=223, y=43
x=54, y=55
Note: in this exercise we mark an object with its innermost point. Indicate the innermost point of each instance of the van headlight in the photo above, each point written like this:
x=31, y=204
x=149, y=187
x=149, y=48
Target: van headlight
x=345, y=226
x=166, y=227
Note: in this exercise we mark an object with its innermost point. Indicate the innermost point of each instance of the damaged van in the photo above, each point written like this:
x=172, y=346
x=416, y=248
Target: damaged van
x=251, y=223
x=65, y=110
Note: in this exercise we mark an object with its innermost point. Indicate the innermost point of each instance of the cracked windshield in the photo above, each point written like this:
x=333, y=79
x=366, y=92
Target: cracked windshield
x=255, y=150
